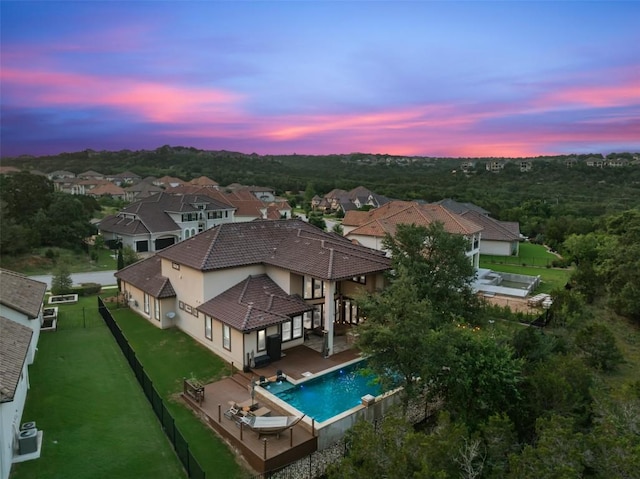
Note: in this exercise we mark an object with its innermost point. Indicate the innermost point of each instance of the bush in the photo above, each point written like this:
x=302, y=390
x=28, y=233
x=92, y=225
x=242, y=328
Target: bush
x=87, y=289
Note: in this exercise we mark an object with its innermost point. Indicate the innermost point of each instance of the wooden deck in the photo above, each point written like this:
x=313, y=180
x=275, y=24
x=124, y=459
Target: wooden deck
x=266, y=453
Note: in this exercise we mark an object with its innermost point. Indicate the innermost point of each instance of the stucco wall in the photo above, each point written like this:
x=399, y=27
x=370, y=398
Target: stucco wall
x=498, y=248
x=10, y=419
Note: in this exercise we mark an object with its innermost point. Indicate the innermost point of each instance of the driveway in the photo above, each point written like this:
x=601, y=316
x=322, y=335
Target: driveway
x=105, y=278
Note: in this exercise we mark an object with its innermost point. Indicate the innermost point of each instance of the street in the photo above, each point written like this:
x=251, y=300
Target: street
x=104, y=278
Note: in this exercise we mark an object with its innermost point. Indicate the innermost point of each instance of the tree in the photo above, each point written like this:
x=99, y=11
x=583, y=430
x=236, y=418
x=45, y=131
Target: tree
x=599, y=348
x=25, y=194
x=129, y=256
x=337, y=228
x=436, y=262
x=61, y=283
x=317, y=220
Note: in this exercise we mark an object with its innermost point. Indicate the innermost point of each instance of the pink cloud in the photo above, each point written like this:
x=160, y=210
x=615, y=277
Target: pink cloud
x=624, y=94
x=155, y=102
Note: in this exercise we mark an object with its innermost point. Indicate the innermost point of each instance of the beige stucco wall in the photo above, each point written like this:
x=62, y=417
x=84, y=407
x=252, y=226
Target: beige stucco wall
x=368, y=241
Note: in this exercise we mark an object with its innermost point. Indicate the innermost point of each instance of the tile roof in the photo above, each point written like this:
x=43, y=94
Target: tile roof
x=121, y=225
x=20, y=293
x=14, y=345
x=459, y=208
x=255, y=303
x=203, y=181
x=493, y=229
x=106, y=189
x=383, y=220
x=146, y=275
x=290, y=244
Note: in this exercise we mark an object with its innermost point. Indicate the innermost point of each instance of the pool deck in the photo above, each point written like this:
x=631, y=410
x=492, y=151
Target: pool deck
x=270, y=452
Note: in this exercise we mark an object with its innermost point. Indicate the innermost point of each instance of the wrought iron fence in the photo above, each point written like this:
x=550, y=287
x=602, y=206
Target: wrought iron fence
x=180, y=445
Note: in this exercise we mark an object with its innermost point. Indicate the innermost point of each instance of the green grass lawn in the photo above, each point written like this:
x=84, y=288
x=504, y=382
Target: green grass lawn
x=96, y=420
x=168, y=356
x=531, y=261
x=38, y=262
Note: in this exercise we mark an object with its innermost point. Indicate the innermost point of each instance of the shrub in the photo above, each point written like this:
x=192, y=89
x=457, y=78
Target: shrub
x=87, y=289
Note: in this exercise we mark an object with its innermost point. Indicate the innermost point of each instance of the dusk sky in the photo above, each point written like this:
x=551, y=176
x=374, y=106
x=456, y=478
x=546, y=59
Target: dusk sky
x=449, y=78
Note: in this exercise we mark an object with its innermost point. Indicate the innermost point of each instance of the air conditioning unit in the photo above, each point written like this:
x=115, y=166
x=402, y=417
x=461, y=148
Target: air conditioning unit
x=28, y=441
x=28, y=425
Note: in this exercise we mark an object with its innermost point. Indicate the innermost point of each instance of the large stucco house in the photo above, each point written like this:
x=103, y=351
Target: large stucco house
x=369, y=228
x=20, y=321
x=249, y=290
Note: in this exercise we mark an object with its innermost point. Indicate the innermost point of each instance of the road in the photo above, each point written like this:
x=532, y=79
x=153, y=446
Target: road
x=105, y=278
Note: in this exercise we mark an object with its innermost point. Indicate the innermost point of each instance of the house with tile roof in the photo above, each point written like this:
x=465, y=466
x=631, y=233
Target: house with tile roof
x=369, y=228
x=243, y=289
x=108, y=189
x=204, y=181
x=155, y=222
x=499, y=238
x=20, y=321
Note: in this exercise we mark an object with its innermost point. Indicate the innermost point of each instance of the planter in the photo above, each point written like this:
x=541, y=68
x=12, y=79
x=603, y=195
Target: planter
x=63, y=299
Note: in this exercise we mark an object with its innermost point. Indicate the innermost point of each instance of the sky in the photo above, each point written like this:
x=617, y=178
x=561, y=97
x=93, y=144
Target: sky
x=414, y=78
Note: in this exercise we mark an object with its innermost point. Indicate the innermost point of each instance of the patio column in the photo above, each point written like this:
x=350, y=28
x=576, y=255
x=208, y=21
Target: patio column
x=329, y=314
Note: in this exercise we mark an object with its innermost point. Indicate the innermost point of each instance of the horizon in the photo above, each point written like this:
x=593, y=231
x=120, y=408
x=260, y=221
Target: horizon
x=457, y=79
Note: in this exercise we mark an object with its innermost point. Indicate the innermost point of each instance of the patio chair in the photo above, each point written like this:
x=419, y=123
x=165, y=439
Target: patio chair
x=233, y=412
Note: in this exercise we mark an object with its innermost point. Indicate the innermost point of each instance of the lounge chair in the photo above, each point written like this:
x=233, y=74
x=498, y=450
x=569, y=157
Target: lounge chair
x=271, y=425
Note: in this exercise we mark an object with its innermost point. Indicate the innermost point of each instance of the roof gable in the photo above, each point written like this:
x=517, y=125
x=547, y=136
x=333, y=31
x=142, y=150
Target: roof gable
x=146, y=275
x=255, y=303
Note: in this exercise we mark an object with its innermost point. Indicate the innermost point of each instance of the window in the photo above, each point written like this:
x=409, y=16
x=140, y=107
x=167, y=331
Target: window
x=262, y=339
x=180, y=305
x=318, y=313
x=308, y=317
x=208, y=327
x=175, y=266
x=226, y=337
x=146, y=303
x=297, y=326
x=313, y=288
x=362, y=279
x=286, y=331
x=156, y=308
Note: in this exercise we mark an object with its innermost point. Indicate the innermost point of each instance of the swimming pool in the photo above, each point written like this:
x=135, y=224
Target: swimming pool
x=330, y=394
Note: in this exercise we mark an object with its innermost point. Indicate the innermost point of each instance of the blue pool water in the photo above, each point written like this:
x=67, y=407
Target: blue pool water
x=330, y=394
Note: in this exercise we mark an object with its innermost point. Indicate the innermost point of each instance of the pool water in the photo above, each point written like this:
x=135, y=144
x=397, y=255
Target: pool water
x=330, y=394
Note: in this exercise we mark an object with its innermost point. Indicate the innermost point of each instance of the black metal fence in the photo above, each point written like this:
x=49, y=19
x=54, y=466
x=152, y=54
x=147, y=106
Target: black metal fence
x=180, y=445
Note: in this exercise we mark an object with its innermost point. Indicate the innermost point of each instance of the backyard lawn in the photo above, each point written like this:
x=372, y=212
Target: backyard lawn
x=41, y=262
x=168, y=356
x=96, y=420
x=532, y=260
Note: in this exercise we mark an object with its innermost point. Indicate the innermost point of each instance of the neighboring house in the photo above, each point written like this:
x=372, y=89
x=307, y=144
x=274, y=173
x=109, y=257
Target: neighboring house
x=140, y=190
x=158, y=221
x=495, y=165
x=168, y=181
x=14, y=383
x=526, y=165
x=499, y=238
x=91, y=175
x=247, y=206
x=60, y=174
x=354, y=199
x=617, y=162
x=126, y=178
x=108, y=189
x=204, y=181
x=369, y=228
x=20, y=321
x=248, y=290
x=468, y=166
x=21, y=301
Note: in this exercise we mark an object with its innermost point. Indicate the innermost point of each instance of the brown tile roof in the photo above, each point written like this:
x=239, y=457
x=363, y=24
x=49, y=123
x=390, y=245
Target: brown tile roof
x=380, y=221
x=493, y=229
x=14, y=345
x=146, y=275
x=21, y=294
x=203, y=181
x=255, y=303
x=126, y=226
x=290, y=244
x=106, y=189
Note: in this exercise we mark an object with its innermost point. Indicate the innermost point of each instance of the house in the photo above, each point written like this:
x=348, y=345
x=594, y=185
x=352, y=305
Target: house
x=495, y=165
x=168, y=181
x=249, y=290
x=140, y=190
x=499, y=238
x=369, y=228
x=21, y=301
x=247, y=206
x=354, y=199
x=204, y=181
x=126, y=178
x=91, y=175
x=60, y=174
x=153, y=223
x=108, y=189
x=8, y=170
x=20, y=321
x=526, y=165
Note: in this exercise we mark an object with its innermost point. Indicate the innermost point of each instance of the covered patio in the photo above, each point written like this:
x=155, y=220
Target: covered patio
x=265, y=454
